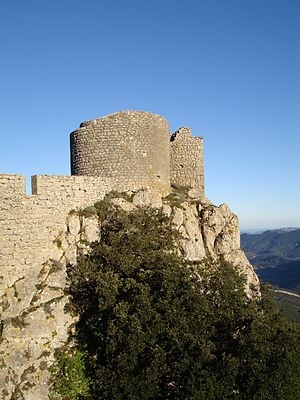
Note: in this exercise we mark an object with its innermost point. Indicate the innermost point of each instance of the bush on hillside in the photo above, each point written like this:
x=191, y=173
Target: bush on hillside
x=149, y=328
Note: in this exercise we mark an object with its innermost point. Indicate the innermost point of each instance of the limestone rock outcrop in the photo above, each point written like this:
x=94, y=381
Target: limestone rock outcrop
x=33, y=318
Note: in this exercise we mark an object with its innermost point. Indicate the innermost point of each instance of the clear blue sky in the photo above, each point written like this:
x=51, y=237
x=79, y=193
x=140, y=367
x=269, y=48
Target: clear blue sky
x=229, y=69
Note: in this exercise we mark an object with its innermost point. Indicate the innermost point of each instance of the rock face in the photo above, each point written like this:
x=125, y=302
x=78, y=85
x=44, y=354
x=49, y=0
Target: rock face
x=33, y=319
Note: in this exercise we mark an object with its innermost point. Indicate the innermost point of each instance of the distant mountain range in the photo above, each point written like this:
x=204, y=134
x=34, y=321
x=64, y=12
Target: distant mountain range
x=276, y=256
x=252, y=231
x=272, y=247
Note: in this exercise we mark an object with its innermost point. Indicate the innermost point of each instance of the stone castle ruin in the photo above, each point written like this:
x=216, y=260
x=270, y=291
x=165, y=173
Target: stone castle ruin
x=124, y=151
x=41, y=234
x=134, y=150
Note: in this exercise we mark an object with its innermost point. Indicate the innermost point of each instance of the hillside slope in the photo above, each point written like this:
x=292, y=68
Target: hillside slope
x=272, y=247
x=276, y=256
x=285, y=275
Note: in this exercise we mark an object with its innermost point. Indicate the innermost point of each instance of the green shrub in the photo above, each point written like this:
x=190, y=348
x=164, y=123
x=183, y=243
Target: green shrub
x=149, y=328
x=88, y=212
x=69, y=379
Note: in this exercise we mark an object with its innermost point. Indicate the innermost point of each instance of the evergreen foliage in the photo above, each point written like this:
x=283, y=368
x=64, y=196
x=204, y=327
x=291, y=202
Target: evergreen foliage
x=149, y=328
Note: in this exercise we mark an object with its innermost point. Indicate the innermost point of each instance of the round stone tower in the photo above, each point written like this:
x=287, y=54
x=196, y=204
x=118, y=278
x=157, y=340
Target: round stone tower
x=130, y=147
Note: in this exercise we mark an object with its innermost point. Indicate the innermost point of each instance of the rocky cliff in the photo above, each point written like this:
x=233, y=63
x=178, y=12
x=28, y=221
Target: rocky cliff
x=33, y=318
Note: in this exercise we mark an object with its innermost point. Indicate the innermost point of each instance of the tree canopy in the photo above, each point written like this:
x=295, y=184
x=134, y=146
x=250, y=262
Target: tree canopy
x=153, y=326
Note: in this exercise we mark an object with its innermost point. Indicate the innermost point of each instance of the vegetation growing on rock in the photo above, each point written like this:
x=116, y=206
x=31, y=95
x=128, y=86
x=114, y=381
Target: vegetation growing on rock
x=152, y=325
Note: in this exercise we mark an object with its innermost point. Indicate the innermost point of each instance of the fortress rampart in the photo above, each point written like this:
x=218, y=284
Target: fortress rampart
x=30, y=224
x=124, y=151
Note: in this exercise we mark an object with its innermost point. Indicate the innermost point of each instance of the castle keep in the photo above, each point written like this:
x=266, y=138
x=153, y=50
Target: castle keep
x=133, y=148
x=124, y=151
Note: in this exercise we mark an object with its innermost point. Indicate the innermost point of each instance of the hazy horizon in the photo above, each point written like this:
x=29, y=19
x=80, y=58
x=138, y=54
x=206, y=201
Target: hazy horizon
x=261, y=230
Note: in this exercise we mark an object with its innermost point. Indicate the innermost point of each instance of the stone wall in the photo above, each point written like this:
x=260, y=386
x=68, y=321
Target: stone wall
x=129, y=146
x=29, y=224
x=187, y=163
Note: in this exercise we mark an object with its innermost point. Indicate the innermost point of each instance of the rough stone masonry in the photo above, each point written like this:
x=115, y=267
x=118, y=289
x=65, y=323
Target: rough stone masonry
x=134, y=149
x=128, y=150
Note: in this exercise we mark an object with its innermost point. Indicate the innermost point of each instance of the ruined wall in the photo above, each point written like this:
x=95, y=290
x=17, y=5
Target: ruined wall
x=187, y=164
x=29, y=224
x=129, y=146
